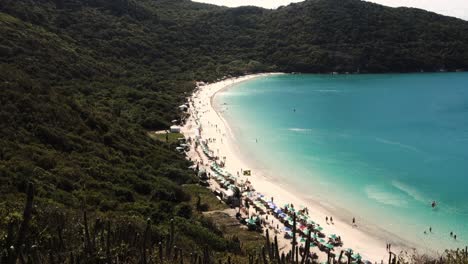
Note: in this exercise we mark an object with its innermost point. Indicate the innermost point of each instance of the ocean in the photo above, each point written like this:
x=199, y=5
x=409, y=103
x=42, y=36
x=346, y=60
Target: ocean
x=381, y=147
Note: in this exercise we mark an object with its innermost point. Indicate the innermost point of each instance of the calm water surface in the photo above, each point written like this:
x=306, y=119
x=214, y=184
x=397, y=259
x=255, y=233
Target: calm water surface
x=382, y=146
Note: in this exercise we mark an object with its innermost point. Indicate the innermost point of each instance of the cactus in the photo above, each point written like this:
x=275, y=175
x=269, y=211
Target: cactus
x=170, y=241
x=341, y=255
x=160, y=252
x=264, y=258
x=27, y=214
x=145, y=239
x=277, y=255
x=294, y=242
x=267, y=236
x=305, y=256
x=86, y=230
x=108, y=246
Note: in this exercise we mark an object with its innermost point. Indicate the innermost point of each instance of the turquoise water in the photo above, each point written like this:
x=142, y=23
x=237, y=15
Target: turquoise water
x=381, y=146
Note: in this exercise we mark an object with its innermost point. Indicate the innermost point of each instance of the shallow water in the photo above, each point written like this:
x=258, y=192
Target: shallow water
x=381, y=146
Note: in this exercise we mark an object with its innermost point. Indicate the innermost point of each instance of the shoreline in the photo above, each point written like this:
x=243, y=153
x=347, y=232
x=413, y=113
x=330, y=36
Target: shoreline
x=367, y=239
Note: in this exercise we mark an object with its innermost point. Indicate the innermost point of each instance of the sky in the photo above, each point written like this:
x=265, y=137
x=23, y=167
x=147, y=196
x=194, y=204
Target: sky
x=456, y=8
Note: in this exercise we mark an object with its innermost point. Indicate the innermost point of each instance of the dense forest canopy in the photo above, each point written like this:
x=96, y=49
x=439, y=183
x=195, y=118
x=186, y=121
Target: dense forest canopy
x=82, y=81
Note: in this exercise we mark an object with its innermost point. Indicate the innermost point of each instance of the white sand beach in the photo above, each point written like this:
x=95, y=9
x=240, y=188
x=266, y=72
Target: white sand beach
x=363, y=238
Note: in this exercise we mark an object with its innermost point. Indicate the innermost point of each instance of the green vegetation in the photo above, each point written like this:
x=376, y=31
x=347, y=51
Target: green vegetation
x=207, y=201
x=83, y=81
x=169, y=138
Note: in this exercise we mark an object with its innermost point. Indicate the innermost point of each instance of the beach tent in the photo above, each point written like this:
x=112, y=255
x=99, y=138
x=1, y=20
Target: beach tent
x=180, y=149
x=183, y=107
x=227, y=193
x=175, y=129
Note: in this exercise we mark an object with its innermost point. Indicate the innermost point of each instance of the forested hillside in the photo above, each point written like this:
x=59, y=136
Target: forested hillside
x=82, y=81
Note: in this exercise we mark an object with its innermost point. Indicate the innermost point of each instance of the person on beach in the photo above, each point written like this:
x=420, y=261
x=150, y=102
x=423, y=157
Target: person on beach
x=451, y=233
x=455, y=237
x=331, y=219
x=326, y=219
x=354, y=221
x=430, y=229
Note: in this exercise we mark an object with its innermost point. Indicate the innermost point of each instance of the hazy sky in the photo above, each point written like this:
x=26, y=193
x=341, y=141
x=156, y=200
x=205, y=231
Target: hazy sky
x=456, y=8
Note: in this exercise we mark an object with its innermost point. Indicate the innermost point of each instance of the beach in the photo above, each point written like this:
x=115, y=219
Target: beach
x=364, y=237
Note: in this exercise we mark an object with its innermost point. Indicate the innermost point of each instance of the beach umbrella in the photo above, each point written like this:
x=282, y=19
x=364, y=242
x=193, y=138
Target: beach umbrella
x=356, y=256
x=321, y=240
x=319, y=228
x=315, y=236
x=333, y=236
x=303, y=240
x=312, y=245
x=287, y=229
x=306, y=232
x=329, y=246
x=349, y=250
